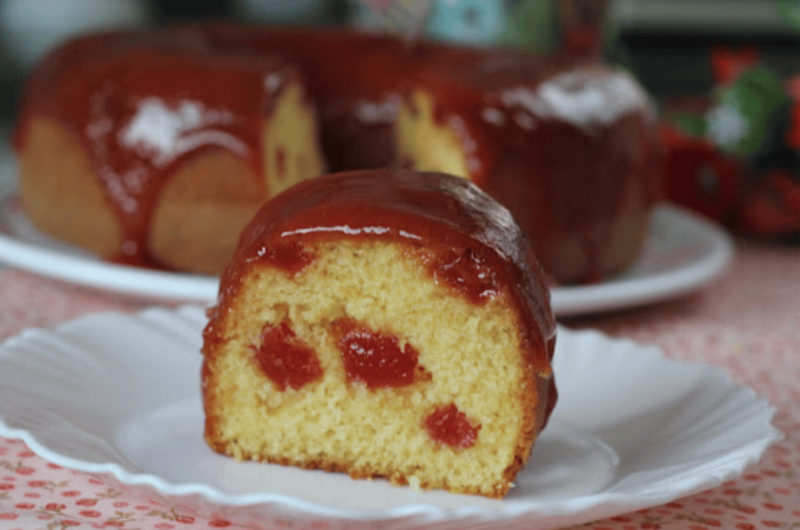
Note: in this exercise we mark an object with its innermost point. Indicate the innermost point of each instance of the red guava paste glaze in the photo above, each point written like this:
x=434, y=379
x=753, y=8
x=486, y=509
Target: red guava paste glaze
x=291, y=257
x=468, y=273
x=285, y=359
x=450, y=426
x=374, y=358
x=144, y=103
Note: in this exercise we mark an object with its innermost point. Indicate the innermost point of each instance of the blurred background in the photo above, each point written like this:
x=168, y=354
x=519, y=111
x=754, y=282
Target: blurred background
x=725, y=73
x=667, y=43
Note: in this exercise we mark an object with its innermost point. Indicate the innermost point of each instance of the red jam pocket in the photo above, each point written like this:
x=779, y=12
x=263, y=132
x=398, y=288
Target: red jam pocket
x=450, y=426
x=466, y=272
x=374, y=358
x=285, y=359
x=290, y=257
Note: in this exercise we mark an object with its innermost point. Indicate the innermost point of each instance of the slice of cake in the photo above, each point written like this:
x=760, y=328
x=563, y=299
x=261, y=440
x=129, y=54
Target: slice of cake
x=384, y=324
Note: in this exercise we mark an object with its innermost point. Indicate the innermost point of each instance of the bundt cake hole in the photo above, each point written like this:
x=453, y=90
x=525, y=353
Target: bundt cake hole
x=427, y=142
x=292, y=128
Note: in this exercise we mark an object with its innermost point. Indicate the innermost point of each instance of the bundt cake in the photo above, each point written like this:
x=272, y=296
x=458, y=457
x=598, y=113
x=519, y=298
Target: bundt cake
x=382, y=323
x=565, y=143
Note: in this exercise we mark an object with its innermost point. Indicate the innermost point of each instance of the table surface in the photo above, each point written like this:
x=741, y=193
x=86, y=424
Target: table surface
x=748, y=322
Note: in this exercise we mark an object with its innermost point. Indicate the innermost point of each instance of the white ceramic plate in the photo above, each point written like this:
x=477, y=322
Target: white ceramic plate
x=682, y=254
x=23, y=246
x=119, y=395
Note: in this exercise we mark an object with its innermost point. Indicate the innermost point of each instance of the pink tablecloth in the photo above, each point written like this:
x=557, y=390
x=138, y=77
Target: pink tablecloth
x=747, y=322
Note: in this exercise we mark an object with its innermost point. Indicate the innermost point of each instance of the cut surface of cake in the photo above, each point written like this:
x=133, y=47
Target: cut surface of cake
x=384, y=324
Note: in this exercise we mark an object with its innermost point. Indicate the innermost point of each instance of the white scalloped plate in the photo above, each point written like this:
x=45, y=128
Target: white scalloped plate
x=682, y=254
x=118, y=395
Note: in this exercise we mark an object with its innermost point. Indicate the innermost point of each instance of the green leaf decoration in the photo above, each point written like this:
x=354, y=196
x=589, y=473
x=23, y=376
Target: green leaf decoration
x=740, y=120
x=691, y=124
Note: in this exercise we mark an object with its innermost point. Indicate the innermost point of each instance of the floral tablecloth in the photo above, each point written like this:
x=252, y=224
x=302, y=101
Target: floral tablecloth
x=748, y=322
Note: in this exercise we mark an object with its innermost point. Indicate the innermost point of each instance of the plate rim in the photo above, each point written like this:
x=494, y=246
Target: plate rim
x=80, y=268
x=746, y=455
x=75, y=266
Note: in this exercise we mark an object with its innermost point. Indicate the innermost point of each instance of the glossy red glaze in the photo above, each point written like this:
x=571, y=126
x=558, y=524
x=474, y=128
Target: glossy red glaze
x=375, y=359
x=467, y=272
x=285, y=359
x=448, y=425
x=290, y=257
x=144, y=104
x=436, y=216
